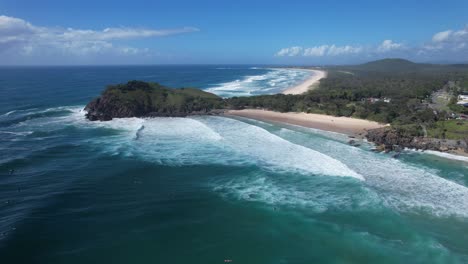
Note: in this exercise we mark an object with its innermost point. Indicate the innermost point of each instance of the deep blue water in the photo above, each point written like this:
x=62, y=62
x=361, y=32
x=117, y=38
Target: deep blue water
x=208, y=189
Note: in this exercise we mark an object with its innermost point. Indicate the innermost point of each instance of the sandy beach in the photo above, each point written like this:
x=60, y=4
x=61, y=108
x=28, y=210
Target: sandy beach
x=303, y=87
x=345, y=125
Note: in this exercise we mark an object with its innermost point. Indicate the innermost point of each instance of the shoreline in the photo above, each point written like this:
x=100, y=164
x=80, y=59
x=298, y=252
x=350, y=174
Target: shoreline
x=308, y=83
x=345, y=125
x=351, y=127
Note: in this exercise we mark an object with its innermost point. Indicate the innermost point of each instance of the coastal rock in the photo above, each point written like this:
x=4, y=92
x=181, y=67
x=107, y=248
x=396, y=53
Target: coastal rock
x=141, y=99
x=390, y=139
x=354, y=143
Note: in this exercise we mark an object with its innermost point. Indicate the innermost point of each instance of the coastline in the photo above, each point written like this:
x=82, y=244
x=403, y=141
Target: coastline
x=345, y=125
x=306, y=85
x=352, y=127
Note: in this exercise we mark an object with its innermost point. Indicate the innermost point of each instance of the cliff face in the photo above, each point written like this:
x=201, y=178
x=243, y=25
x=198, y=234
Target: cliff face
x=141, y=99
x=391, y=139
x=106, y=107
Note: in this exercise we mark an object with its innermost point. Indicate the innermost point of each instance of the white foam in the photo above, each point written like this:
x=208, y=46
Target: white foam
x=278, y=153
x=275, y=80
x=169, y=141
x=403, y=186
x=8, y=113
x=217, y=140
x=262, y=189
x=314, y=193
x=21, y=133
x=441, y=154
x=18, y=111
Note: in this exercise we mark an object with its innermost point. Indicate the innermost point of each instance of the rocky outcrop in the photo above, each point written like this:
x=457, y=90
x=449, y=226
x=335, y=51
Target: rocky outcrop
x=141, y=99
x=389, y=139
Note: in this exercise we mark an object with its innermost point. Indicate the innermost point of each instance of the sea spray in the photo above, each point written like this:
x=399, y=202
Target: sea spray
x=403, y=186
x=274, y=81
x=221, y=140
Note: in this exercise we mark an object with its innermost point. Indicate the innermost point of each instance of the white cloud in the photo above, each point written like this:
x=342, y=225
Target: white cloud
x=442, y=36
x=451, y=36
x=21, y=37
x=450, y=42
x=292, y=51
x=122, y=33
x=389, y=45
x=316, y=51
x=319, y=51
x=445, y=46
x=343, y=50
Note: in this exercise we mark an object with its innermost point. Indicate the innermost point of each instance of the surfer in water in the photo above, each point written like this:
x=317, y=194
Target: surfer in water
x=138, y=133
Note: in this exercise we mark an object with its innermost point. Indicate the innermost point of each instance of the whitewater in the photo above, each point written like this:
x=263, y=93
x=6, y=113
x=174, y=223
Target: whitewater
x=171, y=190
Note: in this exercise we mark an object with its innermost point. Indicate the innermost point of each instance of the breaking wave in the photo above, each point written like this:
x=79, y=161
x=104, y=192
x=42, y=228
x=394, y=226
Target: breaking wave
x=403, y=186
x=217, y=140
x=274, y=81
x=307, y=155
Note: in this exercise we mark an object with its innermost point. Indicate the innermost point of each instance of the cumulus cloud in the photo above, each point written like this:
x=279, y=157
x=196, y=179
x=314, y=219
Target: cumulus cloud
x=336, y=50
x=449, y=42
x=20, y=37
x=292, y=51
x=319, y=51
x=388, y=45
x=451, y=36
x=442, y=36
x=448, y=45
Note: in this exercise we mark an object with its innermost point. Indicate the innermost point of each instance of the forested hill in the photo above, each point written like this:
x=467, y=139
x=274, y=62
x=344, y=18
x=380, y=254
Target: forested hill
x=139, y=99
x=392, y=65
x=393, y=91
x=402, y=66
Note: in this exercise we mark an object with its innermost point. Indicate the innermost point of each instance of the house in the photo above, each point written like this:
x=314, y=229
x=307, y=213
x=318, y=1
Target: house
x=463, y=99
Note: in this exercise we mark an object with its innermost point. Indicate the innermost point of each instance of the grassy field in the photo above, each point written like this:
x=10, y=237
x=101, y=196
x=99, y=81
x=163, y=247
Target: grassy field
x=453, y=129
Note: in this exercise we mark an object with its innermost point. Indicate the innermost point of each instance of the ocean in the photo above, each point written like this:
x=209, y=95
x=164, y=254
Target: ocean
x=209, y=189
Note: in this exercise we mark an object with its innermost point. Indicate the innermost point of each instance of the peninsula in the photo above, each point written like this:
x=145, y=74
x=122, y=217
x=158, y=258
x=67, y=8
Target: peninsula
x=142, y=99
x=360, y=99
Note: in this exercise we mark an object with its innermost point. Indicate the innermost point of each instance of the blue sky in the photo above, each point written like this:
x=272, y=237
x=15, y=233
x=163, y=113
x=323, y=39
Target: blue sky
x=225, y=32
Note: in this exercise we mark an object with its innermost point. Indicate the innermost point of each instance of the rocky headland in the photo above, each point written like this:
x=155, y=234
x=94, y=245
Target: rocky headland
x=391, y=139
x=142, y=99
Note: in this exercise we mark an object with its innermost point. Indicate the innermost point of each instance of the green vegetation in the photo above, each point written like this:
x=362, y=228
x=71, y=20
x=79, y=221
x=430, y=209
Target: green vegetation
x=450, y=129
x=153, y=97
x=137, y=98
x=407, y=85
x=392, y=91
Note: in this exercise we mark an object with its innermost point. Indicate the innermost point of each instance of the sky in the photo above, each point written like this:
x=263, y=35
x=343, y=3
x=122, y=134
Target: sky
x=306, y=32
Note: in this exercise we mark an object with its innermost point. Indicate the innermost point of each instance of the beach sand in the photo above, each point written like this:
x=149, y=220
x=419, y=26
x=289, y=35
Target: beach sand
x=345, y=125
x=306, y=85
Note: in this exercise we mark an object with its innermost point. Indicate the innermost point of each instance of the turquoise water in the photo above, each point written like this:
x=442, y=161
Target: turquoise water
x=208, y=189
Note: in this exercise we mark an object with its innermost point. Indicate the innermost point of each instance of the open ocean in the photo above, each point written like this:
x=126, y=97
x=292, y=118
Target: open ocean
x=208, y=189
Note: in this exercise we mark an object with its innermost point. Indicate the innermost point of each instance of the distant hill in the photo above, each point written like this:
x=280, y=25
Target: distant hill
x=392, y=65
x=396, y=65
